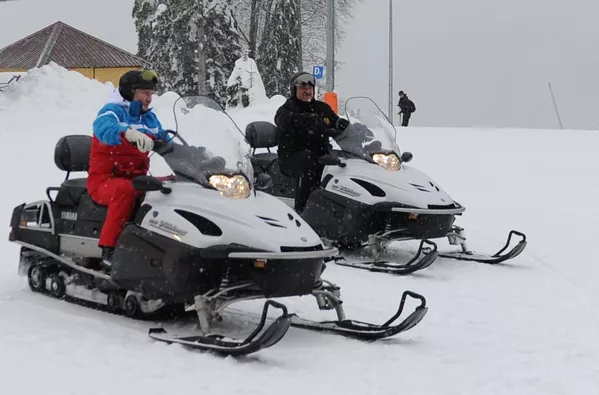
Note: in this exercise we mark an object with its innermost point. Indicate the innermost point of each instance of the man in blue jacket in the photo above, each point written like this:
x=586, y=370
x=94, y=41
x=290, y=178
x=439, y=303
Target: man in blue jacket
x=114, y=160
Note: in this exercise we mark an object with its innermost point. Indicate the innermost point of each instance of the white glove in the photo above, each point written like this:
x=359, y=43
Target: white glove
x=143, y=141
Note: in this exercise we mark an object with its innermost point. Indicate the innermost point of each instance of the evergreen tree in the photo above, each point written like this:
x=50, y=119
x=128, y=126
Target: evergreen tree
x=143, y=13
x=222, y=46
x=280, y=49
x=192, y=44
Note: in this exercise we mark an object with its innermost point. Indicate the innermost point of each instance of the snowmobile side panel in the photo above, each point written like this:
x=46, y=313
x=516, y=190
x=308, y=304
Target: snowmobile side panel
x=340, y=218
x=86, y=219
x=346, y=220
x=160, y=267
x=170, y=270
x=64, y=260
x=79, y=246
x=44, y=240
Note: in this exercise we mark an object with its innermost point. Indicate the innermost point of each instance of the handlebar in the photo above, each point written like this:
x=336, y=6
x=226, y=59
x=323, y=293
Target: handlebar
x=158, y=145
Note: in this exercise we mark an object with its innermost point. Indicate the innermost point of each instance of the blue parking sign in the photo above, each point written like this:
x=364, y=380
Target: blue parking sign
x=318, y=71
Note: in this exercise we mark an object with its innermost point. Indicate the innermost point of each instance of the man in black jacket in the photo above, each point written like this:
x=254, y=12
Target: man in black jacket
x=407, y=107
x=305, y=126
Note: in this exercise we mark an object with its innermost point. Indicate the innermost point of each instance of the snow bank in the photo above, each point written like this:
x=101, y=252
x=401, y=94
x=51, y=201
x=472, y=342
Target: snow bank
x=53, y=87
x=248, y=82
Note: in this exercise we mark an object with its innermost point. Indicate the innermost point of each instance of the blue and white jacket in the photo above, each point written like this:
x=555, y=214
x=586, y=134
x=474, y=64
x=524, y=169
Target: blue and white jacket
x=118, y=115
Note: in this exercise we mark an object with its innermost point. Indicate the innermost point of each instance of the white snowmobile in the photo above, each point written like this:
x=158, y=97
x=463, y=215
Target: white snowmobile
x=205, y=239
x=369, y=197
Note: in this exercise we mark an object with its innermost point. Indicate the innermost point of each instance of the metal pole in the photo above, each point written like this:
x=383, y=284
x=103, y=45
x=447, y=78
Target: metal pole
x=555, y=106
x=391, y=60
x=330, y=63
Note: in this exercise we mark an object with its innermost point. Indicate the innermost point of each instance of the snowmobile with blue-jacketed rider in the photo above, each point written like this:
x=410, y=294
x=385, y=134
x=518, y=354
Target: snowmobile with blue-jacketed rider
x=207, y=238
x=369, y=197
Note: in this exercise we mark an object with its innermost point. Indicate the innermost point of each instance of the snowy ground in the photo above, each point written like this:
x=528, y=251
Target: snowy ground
x=526, y=327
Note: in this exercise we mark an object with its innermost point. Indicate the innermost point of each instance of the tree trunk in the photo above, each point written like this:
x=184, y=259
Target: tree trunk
x=254, y=21
x=201, y=51
x=300, y=55
x=268, y=12
x=201, y=63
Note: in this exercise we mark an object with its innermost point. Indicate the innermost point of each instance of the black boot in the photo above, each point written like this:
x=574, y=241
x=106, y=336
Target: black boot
x=107, y=253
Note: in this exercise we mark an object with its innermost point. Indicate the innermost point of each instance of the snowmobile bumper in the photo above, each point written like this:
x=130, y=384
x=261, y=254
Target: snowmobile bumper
x=325, y=253
x=281, y=274
x=429, y=211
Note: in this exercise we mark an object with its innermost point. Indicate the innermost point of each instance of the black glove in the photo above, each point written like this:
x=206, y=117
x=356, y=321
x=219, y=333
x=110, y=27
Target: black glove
x=342, y=124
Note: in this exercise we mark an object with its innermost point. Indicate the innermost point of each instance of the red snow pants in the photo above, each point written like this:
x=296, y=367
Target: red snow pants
x=120, y=197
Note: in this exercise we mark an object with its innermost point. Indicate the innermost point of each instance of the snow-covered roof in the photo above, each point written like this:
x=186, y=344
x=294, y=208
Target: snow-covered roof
x=66, y=46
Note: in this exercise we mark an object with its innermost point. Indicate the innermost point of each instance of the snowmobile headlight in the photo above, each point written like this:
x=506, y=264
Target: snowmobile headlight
x=388, y=161
x=236, y=187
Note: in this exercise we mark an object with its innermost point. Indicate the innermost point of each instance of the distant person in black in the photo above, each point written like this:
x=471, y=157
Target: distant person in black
x=305, y=126
x=406, y=107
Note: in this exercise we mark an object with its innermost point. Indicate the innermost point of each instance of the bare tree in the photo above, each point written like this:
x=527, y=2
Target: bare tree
x=314, y=24
x=253, y=15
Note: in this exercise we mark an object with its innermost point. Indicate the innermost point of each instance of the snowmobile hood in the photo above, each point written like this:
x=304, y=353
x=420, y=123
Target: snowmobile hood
x=260, y=221
x=407, y=186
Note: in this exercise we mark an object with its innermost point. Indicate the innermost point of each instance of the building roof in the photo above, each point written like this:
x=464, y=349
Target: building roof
x=68, y=47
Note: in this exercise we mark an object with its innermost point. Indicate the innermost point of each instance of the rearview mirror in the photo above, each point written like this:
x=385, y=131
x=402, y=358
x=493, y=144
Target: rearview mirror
x=330, y=160
x=148, y=184
x=406, y=157
x=263, y=181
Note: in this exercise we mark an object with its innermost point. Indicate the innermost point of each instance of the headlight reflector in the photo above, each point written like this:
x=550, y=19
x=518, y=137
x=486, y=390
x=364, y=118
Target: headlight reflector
x=388, y=161
x=236, y=187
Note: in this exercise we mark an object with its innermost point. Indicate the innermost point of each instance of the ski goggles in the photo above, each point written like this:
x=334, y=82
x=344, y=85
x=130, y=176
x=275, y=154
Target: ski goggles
x=149, y=75
x=305, y=80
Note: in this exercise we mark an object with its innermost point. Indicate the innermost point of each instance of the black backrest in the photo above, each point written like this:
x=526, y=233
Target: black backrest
x=72, y=153
x=262, y=134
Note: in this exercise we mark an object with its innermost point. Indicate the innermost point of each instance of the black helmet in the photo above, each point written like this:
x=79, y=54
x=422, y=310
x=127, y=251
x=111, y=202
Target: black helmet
x=301, y=78
x=137, y=79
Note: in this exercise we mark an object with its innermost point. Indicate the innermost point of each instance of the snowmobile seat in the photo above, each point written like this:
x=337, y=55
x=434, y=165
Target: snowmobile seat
x=262, y=134
x=71, y=191
x=71, y=154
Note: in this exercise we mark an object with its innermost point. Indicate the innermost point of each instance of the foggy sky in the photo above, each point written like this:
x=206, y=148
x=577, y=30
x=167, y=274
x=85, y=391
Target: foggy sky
x=463, y=62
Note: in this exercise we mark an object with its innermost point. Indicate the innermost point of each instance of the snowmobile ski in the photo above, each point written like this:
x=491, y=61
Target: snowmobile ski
x=496, y=258
x=231, y=346
x=365, y=331
x=410, y=267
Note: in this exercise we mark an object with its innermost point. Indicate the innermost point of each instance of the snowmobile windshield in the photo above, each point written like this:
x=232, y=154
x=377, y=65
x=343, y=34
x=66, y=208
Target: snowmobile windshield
x=209, y=148
x=370, y=134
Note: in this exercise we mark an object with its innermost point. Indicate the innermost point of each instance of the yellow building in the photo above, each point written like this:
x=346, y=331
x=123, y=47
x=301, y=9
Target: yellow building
x=71, y=49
